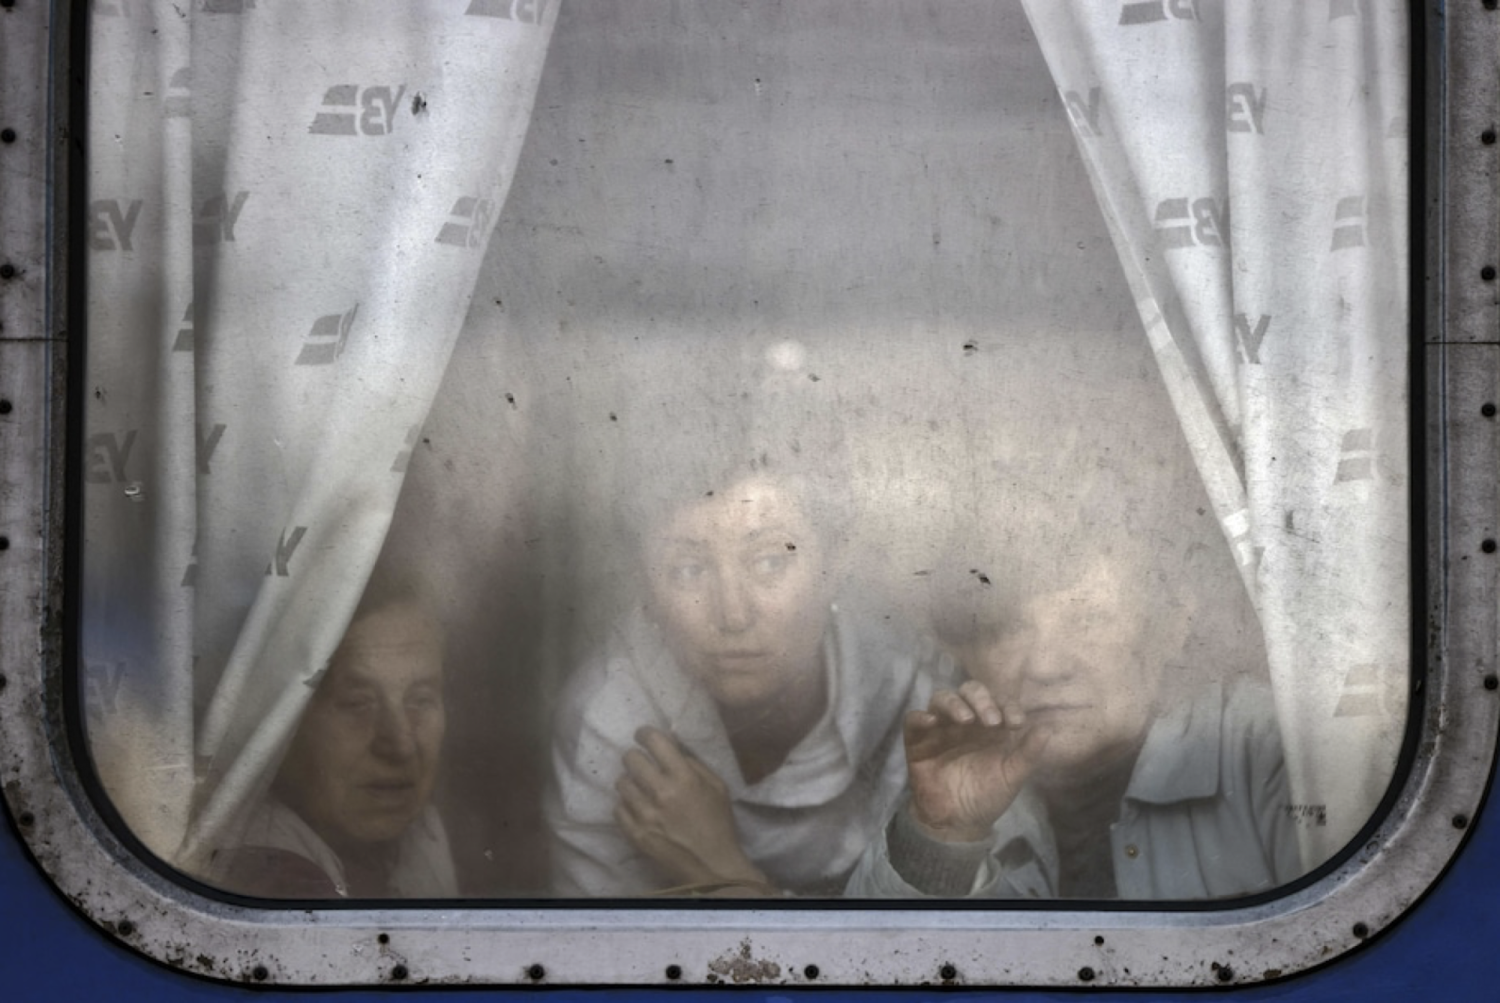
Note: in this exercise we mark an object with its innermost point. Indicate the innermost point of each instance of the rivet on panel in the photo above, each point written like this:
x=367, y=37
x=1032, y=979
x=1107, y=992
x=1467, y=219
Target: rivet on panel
x=1487, y=273
x=6, y=407
x=1492, y=682
x=4, y=543
x=7, y=271
x=1487, y=137
x=398, y=974
x=947, y=973
x=1460, y=821
x=1361, y=931
x=1488, y=546
x=1225, y=973
x=1085, y=974
x=125, y=928
x=7, y=135
x=26, y=820
x=536, y=973
x=259, y=973
x=674, y=972
x=811, y=972
x=1488, y=410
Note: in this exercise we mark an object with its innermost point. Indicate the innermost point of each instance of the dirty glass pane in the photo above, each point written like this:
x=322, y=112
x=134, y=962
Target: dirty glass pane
x=574, y=449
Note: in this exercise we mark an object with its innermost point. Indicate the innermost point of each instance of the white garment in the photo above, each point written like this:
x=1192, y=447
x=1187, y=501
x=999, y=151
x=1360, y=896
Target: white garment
x=424, y=861
x=805, y=825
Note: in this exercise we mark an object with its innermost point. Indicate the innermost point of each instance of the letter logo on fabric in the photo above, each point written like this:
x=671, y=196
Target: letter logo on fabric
x=101, y=685
x=1156, y=11
x=179, y=101
x=286, y=546
x=1349, y=223
x=403, y=458
x=471, y=218
x=184, y=342
x=1245, y=107
x=1248, y=339
x=1085, y=113
x=1357, y=456
x=1373, y=691
x=105, y=456
x=325, y=342
x=207, y=444
x=525, y=11
x=216, y=218
x=111, y=224
x=353, y=111
x=1200, y=222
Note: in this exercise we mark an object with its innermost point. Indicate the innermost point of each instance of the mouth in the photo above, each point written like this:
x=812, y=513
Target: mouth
x=390, y=791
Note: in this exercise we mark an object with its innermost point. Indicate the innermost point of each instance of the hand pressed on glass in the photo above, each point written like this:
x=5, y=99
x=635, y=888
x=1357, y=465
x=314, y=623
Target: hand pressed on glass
x=677, y=812
x=967, y=757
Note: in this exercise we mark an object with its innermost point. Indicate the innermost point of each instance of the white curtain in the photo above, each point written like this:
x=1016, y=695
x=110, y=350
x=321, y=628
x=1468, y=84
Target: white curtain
x=1251, y=162
x=288, y=206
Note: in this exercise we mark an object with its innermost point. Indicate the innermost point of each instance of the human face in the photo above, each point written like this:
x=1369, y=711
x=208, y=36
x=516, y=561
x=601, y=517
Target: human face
x=739, y=585
x=1078, y=663
x=363, y=762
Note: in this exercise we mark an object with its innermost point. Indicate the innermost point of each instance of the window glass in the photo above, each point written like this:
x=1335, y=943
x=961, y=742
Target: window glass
x=740, y=449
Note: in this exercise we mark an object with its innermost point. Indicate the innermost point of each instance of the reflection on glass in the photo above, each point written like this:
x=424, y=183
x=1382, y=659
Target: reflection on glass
x=870, y=458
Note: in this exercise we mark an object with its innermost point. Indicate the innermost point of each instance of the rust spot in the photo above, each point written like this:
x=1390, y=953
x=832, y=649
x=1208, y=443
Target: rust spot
x=743, y=967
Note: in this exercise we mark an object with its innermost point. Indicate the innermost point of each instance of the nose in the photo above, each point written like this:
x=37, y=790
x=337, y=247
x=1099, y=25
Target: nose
x=395, y=738
x=733, y=604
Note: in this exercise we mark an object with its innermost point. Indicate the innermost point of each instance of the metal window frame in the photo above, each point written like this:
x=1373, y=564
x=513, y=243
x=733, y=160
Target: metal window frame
x=1405, y=854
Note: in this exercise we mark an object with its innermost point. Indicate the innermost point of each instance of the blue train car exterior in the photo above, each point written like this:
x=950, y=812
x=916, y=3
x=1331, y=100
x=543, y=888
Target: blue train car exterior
x=61, y=938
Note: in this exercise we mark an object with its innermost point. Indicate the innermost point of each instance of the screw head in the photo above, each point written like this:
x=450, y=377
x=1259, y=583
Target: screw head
x=1487, y=409
x=7, y=271
x=1487, y=137
x=7, y=135
x=399, y=973
x=1085, y=974
x=1488, y=546
x=6, y=407
x=1487, y=273
x=948, y=973
x=810, y=972
x=259, y=973
x=536, y=973
x=1361, y=931
x=674, y=972
x=1460, y=821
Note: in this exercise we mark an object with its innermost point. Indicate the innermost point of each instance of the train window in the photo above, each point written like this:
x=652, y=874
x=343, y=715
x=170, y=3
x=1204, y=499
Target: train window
x=808, y=494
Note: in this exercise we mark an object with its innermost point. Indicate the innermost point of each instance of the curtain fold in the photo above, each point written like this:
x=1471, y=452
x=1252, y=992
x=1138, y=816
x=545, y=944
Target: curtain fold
x=1251, y=162
x=289, y=205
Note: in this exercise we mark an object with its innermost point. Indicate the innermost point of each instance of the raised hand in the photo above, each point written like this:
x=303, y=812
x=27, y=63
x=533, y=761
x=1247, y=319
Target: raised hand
x=676, y=811
x=967, y=758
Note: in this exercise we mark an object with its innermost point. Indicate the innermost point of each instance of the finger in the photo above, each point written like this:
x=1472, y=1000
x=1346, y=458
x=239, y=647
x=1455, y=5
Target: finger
x=664, y=748
x=949, y=705
x=644, y=771
x=706, y=775
x=982, y=701
x=1014, y=714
